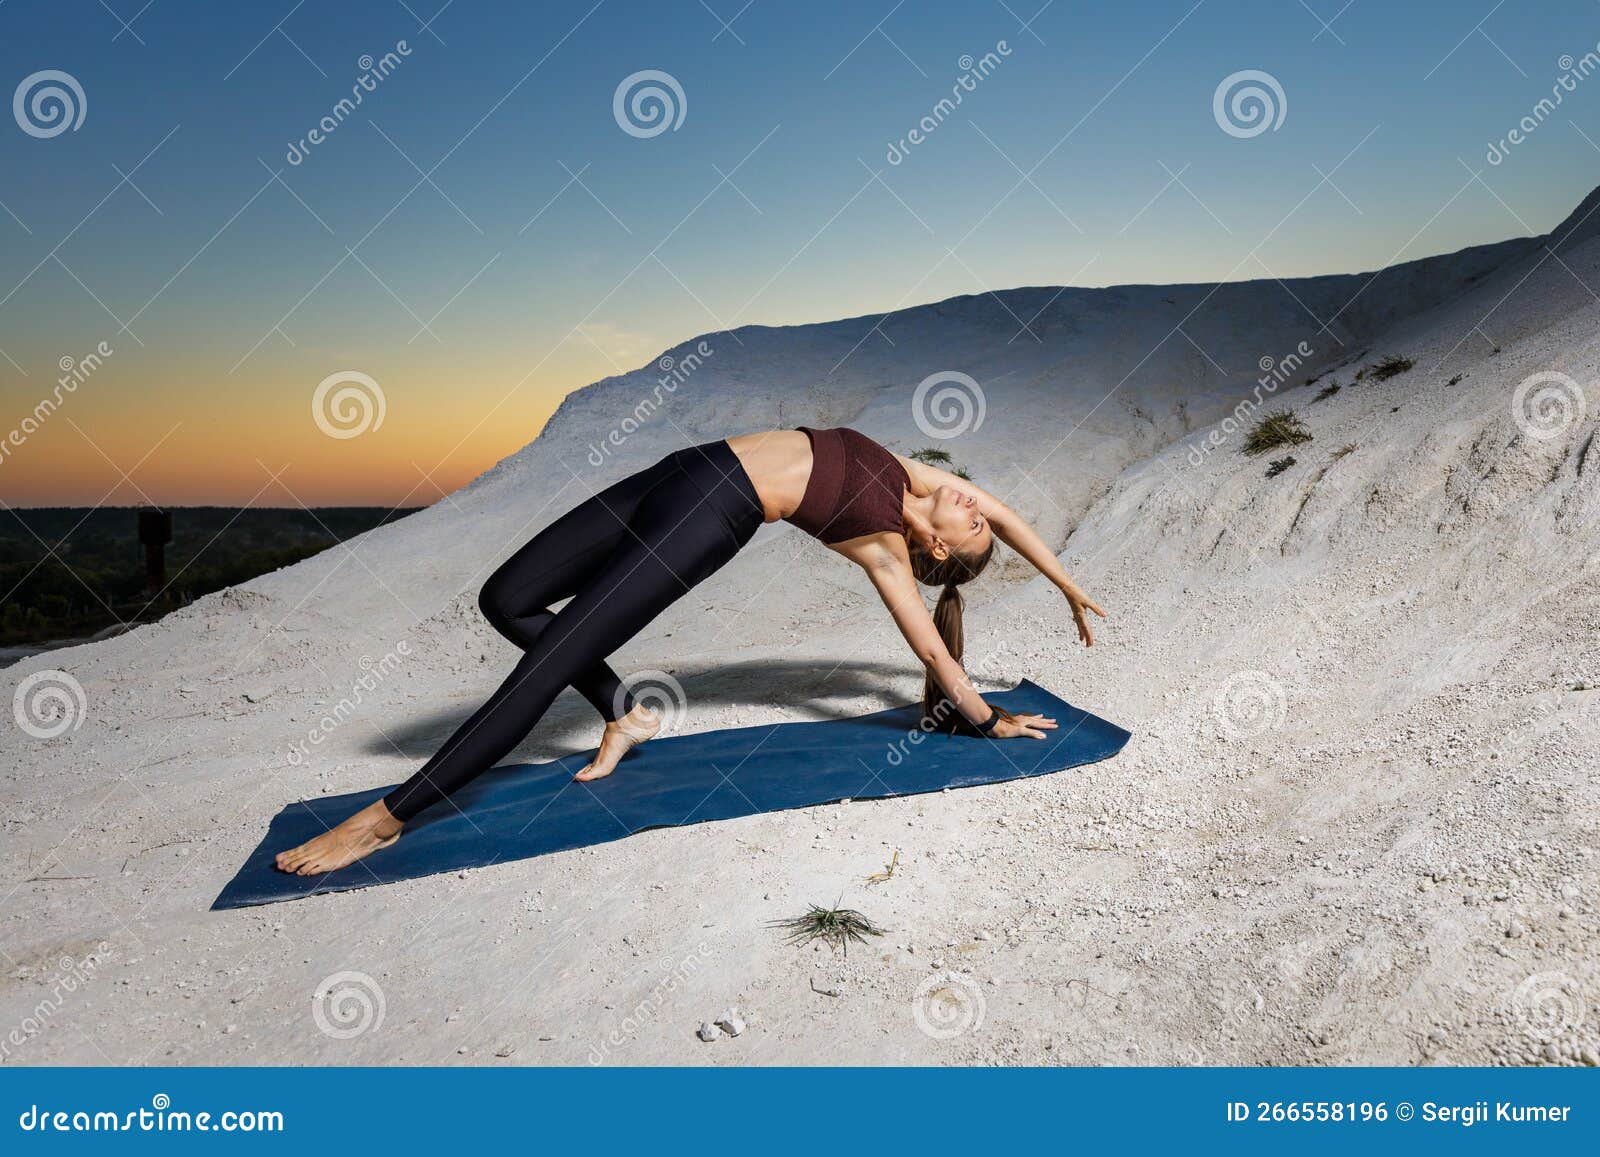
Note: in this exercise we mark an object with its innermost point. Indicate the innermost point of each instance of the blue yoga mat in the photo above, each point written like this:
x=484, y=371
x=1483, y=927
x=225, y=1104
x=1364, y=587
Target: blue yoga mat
x=523, y=810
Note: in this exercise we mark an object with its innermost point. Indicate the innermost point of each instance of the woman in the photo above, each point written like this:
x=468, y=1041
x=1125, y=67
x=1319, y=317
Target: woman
x=624, y=555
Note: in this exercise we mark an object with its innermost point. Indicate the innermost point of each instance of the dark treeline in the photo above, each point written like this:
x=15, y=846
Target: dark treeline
x=66, y=572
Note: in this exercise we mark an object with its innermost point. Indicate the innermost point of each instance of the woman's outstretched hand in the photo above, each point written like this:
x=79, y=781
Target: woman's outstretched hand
x=1018, y=726
x=1080, y=603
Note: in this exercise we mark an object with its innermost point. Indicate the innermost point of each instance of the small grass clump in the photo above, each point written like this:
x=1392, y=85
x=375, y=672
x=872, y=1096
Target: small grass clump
x=837, y=926
x=1281, y=428
x=1327, y=391
x=1390, y=367
x=933, y=456
x=1279, y=465
x=1347, y=448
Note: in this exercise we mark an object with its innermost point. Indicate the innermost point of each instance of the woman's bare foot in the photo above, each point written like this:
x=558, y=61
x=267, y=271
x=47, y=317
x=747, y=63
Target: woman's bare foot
x=359, y=836
x=621, y=736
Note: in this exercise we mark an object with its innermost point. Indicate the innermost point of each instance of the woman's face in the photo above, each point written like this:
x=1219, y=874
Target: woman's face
x=958, y=523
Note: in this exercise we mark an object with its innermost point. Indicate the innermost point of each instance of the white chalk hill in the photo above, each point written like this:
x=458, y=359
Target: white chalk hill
x=1357, y=821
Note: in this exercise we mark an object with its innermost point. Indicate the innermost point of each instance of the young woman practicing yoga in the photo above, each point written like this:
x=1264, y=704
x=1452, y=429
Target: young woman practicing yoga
x=624, y=555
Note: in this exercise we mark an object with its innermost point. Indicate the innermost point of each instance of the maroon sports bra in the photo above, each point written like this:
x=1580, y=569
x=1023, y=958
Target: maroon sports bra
x=856, y=487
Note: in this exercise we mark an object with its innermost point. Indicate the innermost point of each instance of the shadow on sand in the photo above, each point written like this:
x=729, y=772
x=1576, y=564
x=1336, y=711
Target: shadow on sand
x=810, y=690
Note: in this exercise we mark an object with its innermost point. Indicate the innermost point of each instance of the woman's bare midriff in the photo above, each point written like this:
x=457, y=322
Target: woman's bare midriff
x=779, y=465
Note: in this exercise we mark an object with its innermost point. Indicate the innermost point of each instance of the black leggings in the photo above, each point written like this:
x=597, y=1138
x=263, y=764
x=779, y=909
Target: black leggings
x=623, y=556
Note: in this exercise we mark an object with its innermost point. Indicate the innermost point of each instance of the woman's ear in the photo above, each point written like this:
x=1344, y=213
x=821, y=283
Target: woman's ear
x=938, y=549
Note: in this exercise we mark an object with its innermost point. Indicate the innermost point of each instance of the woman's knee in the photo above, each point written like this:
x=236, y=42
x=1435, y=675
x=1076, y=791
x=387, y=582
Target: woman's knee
x=493, y=604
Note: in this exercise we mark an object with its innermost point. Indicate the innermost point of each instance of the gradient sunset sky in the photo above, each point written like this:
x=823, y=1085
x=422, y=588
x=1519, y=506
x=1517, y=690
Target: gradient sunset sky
x=481, y=236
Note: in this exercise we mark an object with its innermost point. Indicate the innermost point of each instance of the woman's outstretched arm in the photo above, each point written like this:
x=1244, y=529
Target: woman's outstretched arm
x=897, y=587
x=1013, y=530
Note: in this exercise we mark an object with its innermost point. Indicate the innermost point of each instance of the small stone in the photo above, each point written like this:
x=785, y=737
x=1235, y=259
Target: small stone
x=731, y=1022
x=1590, y=1058
x=1515, y=930
x=984, y=934
x=709, y=1032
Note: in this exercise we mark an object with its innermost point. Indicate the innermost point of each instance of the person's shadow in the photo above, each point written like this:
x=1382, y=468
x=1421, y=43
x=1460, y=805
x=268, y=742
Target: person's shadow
x=809, y=690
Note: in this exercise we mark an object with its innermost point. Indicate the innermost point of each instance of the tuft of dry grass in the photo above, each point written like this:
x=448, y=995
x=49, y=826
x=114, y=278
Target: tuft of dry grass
x=933, y=456
x=1281, y=428
x=1327, y=391
x=837, y=926
x=1390, y=367
x=1347, y=448
x=1279, y=465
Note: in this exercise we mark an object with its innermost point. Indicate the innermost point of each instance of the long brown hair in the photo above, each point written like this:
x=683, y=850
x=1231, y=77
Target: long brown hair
x=939, y=714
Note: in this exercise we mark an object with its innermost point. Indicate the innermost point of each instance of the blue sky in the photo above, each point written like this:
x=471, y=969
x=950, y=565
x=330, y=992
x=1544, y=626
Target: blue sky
x=548, y=247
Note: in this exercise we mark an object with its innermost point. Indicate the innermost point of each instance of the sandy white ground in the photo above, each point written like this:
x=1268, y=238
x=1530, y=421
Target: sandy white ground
x=1357, y=822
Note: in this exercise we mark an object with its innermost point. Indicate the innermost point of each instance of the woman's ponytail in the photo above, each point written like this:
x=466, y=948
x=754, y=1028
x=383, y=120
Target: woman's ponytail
x=938, y=712
x=947, y=620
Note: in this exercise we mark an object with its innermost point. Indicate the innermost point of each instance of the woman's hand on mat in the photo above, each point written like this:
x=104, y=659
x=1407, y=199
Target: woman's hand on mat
x=1080, y=603
x=1019, y=726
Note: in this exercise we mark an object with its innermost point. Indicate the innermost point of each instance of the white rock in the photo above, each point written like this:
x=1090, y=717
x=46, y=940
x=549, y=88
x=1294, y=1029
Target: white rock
x=731, y=1022
x=709, y=1032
